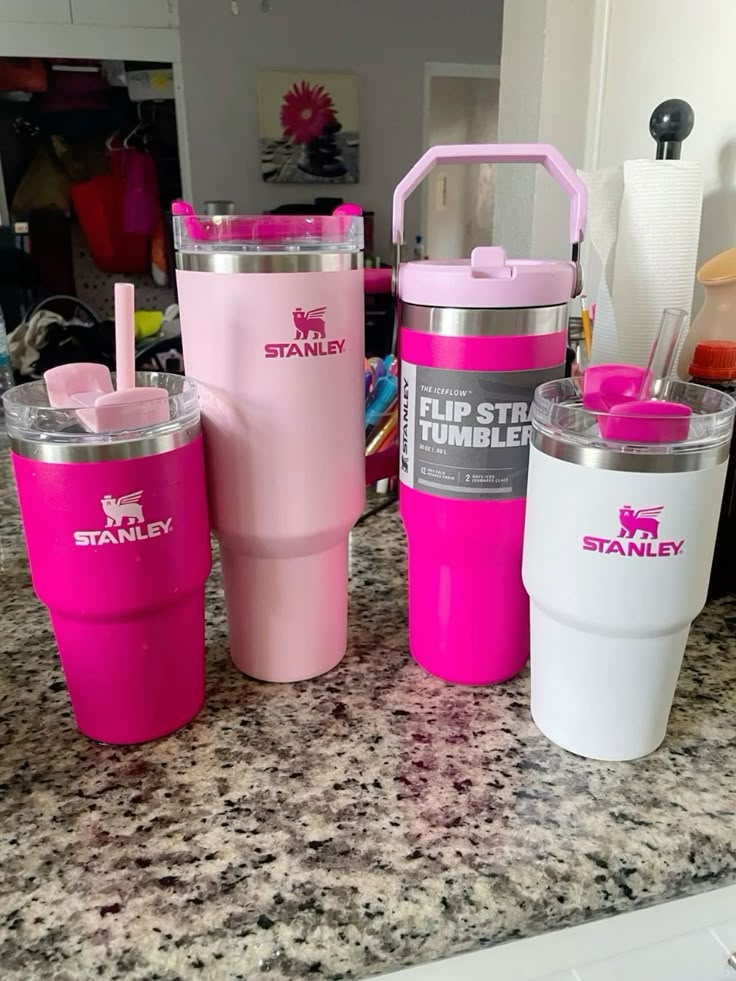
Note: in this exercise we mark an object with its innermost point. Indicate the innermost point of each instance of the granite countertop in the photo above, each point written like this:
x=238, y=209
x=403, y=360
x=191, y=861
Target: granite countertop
x=338, y=828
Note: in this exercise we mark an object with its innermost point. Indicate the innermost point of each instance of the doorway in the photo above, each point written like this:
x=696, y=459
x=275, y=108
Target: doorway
x=460, y=106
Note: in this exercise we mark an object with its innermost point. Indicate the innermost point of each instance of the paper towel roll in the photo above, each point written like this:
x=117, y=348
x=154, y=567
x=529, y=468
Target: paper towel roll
x=644, y=223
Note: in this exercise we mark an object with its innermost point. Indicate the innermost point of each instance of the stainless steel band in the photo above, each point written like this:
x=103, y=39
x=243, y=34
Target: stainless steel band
x=601, y=458
x=127, y=449
x=465, y=322
x=268, y=262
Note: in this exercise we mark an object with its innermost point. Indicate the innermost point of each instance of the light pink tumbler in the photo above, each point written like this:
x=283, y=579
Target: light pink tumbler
x=272, y=328
x=477, y=337
x=118, y=543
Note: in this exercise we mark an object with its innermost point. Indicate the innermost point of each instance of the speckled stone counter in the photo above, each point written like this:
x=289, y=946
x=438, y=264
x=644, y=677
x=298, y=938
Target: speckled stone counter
x=373, y=818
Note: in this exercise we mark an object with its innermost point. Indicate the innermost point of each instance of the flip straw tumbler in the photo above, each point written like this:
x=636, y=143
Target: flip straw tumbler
x=477, y=336
x=116, y=530
x=617, y=554
x=272, y=328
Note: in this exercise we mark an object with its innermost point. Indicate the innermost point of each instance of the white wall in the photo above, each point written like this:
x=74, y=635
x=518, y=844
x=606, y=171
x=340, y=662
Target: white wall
x=448, y=123
x=585, y=75
x=562, y=116
x=545, y=71
x=462, y=110
x=658, y=50
x=385, y=42
x=520, y=96
x=481, y=182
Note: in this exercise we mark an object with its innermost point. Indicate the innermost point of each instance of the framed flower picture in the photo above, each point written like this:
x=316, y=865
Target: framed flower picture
x=308, y=127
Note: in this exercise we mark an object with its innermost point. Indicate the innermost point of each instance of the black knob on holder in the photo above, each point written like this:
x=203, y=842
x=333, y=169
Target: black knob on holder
x=671, y=123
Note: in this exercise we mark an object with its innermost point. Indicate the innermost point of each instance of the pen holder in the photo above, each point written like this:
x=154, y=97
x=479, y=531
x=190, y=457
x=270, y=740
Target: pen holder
x=383, y=464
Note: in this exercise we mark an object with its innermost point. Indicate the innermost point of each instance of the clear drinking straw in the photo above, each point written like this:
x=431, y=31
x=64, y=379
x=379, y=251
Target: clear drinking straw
x=663, y=353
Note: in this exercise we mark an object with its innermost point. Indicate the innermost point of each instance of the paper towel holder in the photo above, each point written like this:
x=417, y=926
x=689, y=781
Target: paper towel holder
x=671, y=123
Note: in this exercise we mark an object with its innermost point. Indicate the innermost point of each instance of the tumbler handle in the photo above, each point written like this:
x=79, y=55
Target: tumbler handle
x=542, y=153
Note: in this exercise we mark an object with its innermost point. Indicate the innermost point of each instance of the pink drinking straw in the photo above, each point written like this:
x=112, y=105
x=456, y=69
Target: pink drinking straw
x=128, y=407
x=124, y=336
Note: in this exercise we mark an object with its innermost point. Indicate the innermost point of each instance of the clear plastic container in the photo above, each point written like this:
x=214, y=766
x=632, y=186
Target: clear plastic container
x=268, y=233
x=30, y=419
x=558, y=413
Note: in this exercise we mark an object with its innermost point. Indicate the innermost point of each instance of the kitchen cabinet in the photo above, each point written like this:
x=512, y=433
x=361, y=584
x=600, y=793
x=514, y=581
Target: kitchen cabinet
x=35, y=11
x=136, y=30
x=125, y=13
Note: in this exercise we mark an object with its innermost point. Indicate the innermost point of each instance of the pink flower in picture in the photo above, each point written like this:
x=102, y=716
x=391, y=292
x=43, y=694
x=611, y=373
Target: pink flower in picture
x=305, y=111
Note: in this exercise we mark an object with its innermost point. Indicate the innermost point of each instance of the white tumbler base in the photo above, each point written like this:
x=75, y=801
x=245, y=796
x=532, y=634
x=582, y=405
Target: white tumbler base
x=603, y=697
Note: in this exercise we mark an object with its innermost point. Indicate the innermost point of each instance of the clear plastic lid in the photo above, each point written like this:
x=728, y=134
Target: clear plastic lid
x=558, y=412
x=268, y=233
x=30, y=418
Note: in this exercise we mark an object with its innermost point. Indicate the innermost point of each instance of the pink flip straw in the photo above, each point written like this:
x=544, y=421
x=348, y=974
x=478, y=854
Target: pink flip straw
x=626, y=395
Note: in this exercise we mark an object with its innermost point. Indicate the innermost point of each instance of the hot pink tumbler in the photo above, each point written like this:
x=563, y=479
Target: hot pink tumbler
x=118, y=544
x=272, y=327
x=478, y=335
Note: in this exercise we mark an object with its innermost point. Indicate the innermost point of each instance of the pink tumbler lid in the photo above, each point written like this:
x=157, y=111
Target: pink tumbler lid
x=339, y=232
x=488, y=279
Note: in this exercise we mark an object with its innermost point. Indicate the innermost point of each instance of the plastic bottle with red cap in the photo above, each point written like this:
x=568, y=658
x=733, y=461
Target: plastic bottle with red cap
x=714, y=364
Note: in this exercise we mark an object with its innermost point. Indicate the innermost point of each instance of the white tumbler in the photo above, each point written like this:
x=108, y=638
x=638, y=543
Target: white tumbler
x=618, y=545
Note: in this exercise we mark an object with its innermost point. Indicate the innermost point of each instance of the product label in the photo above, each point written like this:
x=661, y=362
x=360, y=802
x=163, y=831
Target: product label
x=465, y=434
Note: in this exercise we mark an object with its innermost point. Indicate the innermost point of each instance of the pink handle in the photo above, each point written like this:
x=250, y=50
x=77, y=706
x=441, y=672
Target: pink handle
x=542, y=153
